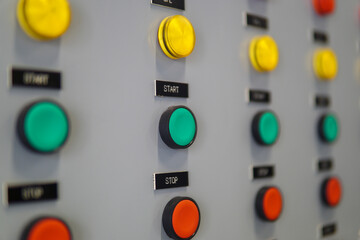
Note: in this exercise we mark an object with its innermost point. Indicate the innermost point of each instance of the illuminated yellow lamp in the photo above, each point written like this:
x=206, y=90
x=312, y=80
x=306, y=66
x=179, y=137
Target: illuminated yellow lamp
x=264, y=53
x=176, y=37
x=44, y=19
x=325, y=64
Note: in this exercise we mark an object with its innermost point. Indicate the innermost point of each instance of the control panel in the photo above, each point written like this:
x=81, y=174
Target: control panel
x=178, y=119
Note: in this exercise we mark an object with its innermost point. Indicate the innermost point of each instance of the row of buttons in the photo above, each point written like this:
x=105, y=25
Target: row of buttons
x=49, y=19
x=181, y=215
x=43, y=126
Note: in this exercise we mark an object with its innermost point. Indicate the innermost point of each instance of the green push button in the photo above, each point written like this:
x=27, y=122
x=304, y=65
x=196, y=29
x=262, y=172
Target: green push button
x=43, y=126
x=328, y=128
x=265, y=128
x=178, y=127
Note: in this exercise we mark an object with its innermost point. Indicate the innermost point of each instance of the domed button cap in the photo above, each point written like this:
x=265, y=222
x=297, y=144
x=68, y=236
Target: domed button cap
x=178, y=127
x=325, y=64
x=328, y=128
x=43, y=126
x=47, y=228
x=265, y=128
x=44, y=19
x=324, y=7
x=264, y=53
x=269, y=203
x=181, y=218
x=331, y=191
x=176, y=37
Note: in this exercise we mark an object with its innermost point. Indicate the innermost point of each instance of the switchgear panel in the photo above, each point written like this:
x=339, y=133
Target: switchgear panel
x=179, y=119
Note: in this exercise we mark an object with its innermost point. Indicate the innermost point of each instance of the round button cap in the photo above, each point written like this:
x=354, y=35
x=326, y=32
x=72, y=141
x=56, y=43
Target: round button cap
x=43, y=126
x=176, y=37
x=265, y=128
x=46, y=228
x=181, y=218
x=331, y=191
x=325, y=64
x=178, y=127
x=328, y=128
x=269, y=203
x=264, y=53
x=324, y=7
x=44, y=19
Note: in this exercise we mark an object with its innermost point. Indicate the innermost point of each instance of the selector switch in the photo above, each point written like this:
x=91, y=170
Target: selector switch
x=325, y=64
x=44, y=19
x=181, y=218
x=47, y=228
x=43, y=126
x=178, y=127
x=328, y=128
x=269, y=203
x=265, y=128
x=331, y=192
x=176, y=37
x=264, y=53
x=324, y=7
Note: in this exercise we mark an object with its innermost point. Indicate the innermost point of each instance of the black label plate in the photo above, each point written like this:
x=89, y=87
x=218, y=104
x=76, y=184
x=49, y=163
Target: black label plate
x=256, y=21
x=258, y=96
x=261, y=172
x=177, y=4
x=171, y=180
x=320, y=37
x=322, y=101
x=35, y=78
x=328, y=230
x=171, y=89
x=325, y=165
x=34, y=192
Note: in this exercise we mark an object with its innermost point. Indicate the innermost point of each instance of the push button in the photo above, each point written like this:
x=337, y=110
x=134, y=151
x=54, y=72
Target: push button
x=176, y=37
x=331, y=191
x=46, y=228
x=324, y=7
x=178, y=127
x=264, y=53
x=269, y=203
x=265, y=128
x=181, y=218
x=43, y=126
x=44, y=19
x=325, y=64
x=328, y=128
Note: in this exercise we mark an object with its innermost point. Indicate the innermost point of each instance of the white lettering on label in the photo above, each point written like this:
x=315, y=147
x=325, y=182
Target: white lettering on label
x=168, y=1
x=171, y=180
x=32, y=193
x=263, y=172
x=36, y=79
x=259, y=96
x=171, y=89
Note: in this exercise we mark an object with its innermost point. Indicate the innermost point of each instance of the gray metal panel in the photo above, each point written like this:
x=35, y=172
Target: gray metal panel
x=110, y=58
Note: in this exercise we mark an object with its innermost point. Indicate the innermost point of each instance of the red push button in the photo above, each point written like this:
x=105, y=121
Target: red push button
x=331, y=191
x=324, y=7
x=46, y=228
x=181, y=218
x=269, y=203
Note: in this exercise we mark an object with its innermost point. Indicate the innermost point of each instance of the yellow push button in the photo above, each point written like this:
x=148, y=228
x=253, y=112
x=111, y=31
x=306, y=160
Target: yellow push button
x=176, y=37
x=325, y=64
x=264, y=53
x=44, y=19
